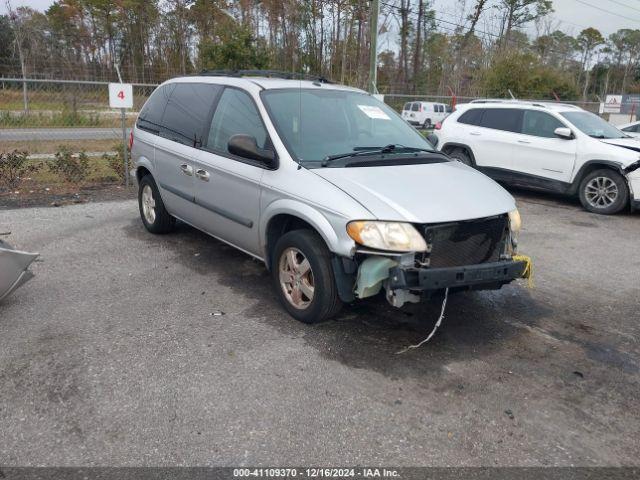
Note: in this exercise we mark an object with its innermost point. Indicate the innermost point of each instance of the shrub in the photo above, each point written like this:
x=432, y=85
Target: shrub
x=116, y=161
x=74, y=168
x=14, y=166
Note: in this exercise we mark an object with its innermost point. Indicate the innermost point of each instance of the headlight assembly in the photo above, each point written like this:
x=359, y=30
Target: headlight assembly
x=391, y=236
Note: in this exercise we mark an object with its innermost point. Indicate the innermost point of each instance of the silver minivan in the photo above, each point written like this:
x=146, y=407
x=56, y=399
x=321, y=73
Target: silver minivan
x=328, y=186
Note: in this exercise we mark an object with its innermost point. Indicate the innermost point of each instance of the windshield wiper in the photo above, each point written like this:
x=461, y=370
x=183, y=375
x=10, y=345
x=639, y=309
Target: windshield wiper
x=364, y=151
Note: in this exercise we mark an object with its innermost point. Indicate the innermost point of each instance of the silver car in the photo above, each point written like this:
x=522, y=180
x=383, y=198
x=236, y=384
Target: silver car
x=328, y=186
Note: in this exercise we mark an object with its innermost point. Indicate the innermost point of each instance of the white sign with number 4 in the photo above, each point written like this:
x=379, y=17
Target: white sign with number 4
x=120, y=95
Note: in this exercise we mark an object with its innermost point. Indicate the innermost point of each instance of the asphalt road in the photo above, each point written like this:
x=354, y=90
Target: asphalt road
x=114, y=354
x=69, y=133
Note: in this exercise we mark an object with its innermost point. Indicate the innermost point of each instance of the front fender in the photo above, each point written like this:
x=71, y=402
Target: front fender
x=330, y=225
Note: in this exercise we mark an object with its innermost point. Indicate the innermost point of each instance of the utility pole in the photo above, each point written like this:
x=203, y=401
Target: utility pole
x=373, y=59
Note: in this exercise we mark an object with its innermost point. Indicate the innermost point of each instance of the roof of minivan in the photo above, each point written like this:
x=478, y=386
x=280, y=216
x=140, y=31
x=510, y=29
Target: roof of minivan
x=266, y=83
x=552, y=106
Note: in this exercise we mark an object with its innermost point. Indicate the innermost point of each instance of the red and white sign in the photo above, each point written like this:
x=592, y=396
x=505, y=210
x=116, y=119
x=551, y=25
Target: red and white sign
x=613, y=104
x=120, y=95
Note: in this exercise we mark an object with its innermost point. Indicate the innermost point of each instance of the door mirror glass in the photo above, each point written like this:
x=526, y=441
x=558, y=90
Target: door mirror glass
x=564, y=133
x=246, y=146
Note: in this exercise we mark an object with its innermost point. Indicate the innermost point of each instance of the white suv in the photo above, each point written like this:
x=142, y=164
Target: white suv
x=548, y=146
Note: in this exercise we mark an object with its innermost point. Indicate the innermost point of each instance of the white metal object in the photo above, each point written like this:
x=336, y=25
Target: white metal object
x=13, y=268
x=120, y=95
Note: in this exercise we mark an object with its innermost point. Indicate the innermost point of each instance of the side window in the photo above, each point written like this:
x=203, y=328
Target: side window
x=235, y=114
x=539, y=124
x=150, y=117
x=415, y=107
x=407, y=106
x=632, y=129
x=506, y=119
x=187, y=112
x=471, y=117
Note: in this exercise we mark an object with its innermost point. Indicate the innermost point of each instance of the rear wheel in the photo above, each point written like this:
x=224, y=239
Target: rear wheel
x=604, y=191
x=462, y=156
x=426, y=124
x=154, y=216
x=303, y=277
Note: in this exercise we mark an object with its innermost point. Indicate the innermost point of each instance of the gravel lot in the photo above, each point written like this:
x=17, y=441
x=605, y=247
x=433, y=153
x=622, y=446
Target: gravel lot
x=111, y=355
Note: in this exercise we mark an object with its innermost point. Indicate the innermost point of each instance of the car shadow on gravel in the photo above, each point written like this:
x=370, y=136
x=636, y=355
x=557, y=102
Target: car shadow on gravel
x=369, y=333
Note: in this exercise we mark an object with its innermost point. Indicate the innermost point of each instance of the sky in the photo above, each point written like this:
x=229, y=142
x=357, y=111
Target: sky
x=570, y=16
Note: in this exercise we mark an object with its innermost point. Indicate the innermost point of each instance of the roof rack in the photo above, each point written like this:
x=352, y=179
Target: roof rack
x=534, y=103
x=266, y=73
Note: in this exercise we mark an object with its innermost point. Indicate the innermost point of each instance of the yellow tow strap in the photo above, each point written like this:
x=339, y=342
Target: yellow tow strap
x=528, y=269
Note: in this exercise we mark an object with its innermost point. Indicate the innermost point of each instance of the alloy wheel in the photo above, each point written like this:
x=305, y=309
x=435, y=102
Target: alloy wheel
x=148, y=205
x=601, y=192
x=296, y=278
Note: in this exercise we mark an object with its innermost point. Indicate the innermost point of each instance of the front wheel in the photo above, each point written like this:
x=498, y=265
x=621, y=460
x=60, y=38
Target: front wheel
x=303, y=277
x=604, y=191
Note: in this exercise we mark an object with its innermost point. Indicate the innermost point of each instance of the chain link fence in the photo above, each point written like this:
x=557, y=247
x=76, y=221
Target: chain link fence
x=39, y=116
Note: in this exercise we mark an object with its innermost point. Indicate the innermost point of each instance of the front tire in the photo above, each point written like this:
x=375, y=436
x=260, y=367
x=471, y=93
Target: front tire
x=154, y=216
x=303, y=277
x=604, y=191
x=462, y=156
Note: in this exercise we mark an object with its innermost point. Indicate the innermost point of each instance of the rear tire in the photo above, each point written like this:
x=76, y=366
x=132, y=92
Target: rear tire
x=303, y=277
x=426, y=124
x=462, y=156
x=604, y=191
x=154, y=216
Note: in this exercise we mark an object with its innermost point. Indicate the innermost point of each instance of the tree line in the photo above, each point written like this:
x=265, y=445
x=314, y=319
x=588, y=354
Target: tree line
x=487, y=52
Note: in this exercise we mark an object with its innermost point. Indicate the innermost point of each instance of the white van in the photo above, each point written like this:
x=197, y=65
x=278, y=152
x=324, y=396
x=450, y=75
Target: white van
x=425, y=114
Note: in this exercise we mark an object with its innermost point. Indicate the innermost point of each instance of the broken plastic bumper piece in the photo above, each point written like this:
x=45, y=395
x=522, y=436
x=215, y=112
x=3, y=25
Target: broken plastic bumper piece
x=489, y=275
x=14, y=266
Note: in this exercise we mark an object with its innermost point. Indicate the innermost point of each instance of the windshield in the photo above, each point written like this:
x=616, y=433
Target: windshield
x=593, y=125
x=316, y=124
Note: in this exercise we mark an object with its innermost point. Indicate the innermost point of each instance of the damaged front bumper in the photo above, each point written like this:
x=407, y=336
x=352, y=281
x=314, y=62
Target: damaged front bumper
x=487, y=275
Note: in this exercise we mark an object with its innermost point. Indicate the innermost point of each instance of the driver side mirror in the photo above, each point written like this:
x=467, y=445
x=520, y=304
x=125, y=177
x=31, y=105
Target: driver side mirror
x=564, y=133
x=245, y=146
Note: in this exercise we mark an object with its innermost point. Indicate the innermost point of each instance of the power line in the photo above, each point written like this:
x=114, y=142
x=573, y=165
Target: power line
x=607, y=11
x=625, y=5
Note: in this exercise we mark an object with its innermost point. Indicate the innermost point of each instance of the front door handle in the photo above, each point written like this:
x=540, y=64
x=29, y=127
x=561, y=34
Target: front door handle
x=202, y=175
x=186, y=169
x=475, y=134
x=526, y=142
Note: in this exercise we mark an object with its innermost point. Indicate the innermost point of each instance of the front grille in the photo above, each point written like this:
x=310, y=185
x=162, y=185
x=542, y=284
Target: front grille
x=465, y=243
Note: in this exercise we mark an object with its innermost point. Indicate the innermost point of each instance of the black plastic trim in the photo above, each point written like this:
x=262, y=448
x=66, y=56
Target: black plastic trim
x=177, y=192
x=526, y=180
x=438, y=278
x=225, y=213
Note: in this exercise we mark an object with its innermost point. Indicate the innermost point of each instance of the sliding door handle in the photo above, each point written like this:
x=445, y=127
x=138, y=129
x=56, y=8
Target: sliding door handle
x=202, y=175
x=186, y=169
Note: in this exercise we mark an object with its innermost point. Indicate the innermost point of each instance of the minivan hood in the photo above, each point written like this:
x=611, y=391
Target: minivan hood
x=630, y=143
x=429, y=193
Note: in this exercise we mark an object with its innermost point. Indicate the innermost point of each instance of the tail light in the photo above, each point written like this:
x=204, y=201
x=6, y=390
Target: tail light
x=131, y=139
x=438, y=126
x=420, y=107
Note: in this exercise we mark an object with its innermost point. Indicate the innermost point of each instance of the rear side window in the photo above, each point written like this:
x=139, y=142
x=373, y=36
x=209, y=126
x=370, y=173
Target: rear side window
x=506, y=119
x=187, y=112
x=540, y=124
x=150, y=117
x=235, y=114
x=415, y=107
x=471, y=117
x=407, y=106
